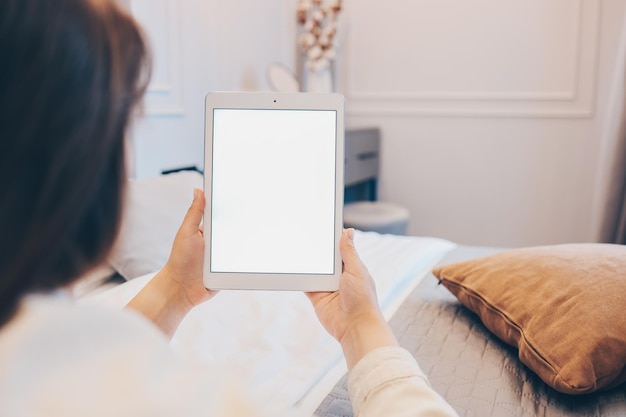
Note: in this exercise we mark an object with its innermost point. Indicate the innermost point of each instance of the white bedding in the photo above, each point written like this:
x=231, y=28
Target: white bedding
x=273, y=339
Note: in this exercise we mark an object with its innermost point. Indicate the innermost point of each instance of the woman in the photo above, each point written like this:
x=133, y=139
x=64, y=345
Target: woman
x=71, y=74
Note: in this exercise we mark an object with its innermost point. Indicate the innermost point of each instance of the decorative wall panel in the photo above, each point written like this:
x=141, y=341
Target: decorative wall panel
x=528, y=58
x=161, y=22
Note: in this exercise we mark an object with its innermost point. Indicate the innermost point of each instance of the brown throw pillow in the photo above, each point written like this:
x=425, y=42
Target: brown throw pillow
x=563, y=307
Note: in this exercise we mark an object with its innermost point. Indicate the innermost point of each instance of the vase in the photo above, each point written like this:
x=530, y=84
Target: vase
x=319, y=81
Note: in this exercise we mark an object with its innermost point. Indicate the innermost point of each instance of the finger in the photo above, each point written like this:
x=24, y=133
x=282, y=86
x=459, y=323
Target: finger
x=313, y=296
x=348, y=251
x=193, y=218
x=316, y=296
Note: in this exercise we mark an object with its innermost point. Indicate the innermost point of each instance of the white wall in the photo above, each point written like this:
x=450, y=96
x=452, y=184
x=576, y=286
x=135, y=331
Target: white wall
x=492, y=113
x=200, y=46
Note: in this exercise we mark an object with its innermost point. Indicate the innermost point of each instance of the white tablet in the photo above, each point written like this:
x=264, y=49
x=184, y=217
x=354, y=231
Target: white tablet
x=274, y=188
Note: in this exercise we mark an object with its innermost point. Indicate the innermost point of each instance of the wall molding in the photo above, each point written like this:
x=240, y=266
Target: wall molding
x=468, y=96
x=469, y=113
x=161, y=20
x=575, y=101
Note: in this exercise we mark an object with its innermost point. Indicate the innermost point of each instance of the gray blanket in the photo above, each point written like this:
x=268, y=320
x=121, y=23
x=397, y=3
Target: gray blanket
x=475, y=372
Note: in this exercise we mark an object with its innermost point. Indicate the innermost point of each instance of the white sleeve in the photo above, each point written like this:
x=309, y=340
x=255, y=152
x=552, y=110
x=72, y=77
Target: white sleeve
x=388, y=382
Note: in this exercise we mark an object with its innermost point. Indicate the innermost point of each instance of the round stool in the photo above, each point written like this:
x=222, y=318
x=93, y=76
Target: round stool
x=376, y=216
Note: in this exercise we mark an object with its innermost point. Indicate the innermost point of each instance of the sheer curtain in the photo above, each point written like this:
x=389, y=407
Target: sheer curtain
x=613, y=227
x=614, y=223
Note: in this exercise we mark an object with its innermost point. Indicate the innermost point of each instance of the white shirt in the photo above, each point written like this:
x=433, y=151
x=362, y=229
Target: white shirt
x=58, y=358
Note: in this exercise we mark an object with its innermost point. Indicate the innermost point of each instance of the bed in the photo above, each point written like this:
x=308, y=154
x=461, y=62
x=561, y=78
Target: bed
x=473, y=370
x=273, y=341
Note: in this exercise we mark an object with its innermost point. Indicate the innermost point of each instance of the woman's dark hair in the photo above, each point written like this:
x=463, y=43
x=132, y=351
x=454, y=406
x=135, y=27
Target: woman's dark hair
x=71, y=72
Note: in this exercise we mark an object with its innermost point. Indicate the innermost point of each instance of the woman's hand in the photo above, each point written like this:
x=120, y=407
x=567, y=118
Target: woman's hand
x=185, y=264
x=351, y=315
x=178, y=287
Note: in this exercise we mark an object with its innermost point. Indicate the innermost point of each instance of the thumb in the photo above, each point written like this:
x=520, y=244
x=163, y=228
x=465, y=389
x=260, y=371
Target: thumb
x=348, y=251
x=193, y=218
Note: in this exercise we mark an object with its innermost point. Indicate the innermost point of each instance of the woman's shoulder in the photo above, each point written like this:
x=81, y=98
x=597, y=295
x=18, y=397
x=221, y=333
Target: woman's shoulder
x=58, y=322
x=62, y=352
x=58, y=357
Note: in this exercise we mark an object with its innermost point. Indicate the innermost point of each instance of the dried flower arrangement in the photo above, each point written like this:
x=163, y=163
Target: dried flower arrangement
x=319, y=20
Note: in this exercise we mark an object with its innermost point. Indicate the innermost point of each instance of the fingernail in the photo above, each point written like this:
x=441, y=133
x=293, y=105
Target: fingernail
x=351, y=233
x=195, y=193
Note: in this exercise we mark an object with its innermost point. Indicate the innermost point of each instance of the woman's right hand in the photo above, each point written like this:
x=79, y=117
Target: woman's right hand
x=351, y=314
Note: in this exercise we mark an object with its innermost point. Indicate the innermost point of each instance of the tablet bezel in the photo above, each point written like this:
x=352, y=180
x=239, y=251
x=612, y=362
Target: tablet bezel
x=274, y=101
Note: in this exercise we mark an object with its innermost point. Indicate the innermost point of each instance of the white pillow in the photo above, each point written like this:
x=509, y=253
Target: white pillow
x=92, y=280
x=155, y=208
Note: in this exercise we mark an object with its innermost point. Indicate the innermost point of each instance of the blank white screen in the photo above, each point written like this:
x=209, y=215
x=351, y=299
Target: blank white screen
x=273, y=191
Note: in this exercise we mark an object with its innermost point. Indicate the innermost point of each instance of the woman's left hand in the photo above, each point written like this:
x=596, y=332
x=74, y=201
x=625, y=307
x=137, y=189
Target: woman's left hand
x=185, y=264
x=178, y=287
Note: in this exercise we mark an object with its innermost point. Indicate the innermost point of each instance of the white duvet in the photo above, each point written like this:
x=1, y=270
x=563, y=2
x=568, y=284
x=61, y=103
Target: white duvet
x=273, y=339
